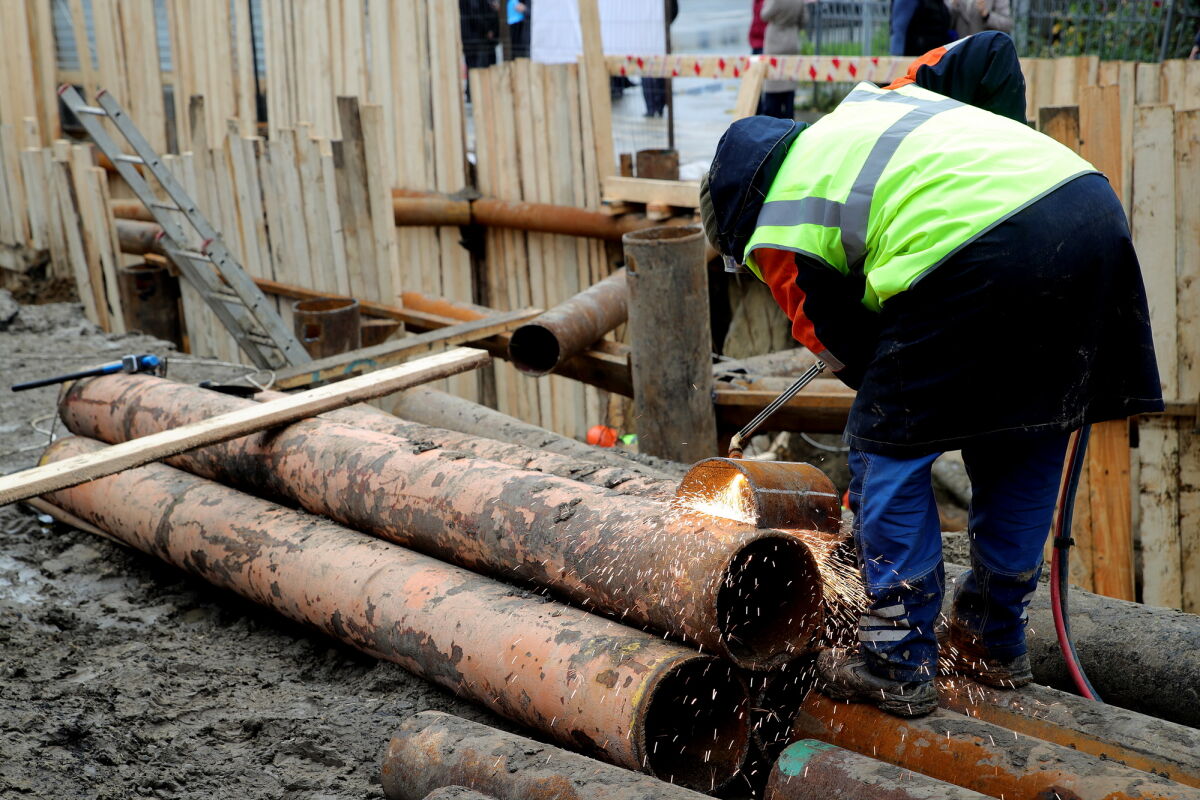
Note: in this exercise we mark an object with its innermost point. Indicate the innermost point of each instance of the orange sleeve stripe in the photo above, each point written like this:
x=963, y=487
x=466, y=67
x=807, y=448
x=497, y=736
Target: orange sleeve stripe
x=778, y=268
x=927, y=60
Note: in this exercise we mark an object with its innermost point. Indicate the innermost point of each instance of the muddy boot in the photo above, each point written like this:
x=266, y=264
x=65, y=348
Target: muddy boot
x=963, y=653
x=844, y=676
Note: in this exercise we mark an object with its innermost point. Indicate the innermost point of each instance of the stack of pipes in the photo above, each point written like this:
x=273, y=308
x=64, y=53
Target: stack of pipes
x=677, y=645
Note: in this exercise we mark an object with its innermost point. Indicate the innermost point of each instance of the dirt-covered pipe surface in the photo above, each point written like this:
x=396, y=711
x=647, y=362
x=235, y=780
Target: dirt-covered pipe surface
x=979, y=755
x=539, y=346
x=433, y=749
x=812, y=770
x=753, y=595
x=628, y=696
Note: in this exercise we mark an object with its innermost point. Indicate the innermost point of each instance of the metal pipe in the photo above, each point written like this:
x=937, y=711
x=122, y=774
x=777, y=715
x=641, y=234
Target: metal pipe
x=541, y=345
x=595, y=473
x=457, y=793
x=428, y=209
x=769, y=494
x=327, y=326
x=1160, y=680
x=672, y=363
x=1136, y=740
x=440, y=410
x=434, y=749
x=625, y=695
x=752, y=595
x=978, y=755
x=812, y=770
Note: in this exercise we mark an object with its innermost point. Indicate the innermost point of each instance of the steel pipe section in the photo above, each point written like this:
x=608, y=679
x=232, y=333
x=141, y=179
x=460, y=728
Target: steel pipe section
x=539, y=346
x=433, y=749
x=623, y=481
x=1137, y=656
x=752, y=595
x=628, y=696
x=771, y=494
x=979, y=755
x=1135, y=740
x=812, y=770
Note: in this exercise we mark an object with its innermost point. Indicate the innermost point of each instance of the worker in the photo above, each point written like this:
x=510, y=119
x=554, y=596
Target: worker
x=975, y=281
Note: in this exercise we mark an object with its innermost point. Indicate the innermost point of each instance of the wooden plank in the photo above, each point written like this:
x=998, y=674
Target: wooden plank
x=1149, y=85
x=1158, y=494
x=35, y=179
x=357, y=204
x=41, y=33
x=370, y=358
x=750, y=90
x=1191, y=93
x=1172, y=79
x=1187, y=253
x=314, y=210
x=104, y=237
x=140, y=65
x=231, y=425
x=1154, y=231
x=245, y=69
x=379, y=201
x=683, y=194
x=1189, y=517
x=1060, y=123
x=595, y=72
x=328, y=185
x=84, y=48
x=84, y=200
x=68, y=209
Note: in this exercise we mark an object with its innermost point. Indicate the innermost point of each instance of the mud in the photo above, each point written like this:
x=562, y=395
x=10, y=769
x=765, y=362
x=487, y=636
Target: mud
x=123, y=678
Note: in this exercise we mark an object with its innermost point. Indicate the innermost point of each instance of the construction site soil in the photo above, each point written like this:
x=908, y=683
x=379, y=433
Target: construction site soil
x=122, y=677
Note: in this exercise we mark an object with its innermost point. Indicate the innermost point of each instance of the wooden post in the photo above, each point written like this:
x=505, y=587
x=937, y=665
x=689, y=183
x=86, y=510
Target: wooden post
x=595, y=72
x=672, y=343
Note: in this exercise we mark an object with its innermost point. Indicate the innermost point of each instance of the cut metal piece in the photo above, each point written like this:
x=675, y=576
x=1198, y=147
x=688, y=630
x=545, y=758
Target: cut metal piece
x=770, y=494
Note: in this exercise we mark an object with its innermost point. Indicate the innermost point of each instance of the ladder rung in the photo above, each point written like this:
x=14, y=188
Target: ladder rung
x=95, y=111
x=128, y=159
x=191, y=255
x=166, y=206
x=263, y=341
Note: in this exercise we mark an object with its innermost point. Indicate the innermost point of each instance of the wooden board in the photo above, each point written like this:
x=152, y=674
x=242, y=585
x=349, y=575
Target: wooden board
x=370, y=358
x=1187, y=252
x=1189, y=518
x=221, y=428
x=1153, y=221
x=683, y=194
x=1158, y=495
x=750, y=90
x=596, y=73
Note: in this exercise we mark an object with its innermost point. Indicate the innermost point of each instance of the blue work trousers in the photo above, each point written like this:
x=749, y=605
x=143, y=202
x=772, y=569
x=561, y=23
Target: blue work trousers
x=898, y=533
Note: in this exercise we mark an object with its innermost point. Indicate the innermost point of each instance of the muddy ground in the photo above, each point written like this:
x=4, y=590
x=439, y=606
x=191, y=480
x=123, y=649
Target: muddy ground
x=122, y=677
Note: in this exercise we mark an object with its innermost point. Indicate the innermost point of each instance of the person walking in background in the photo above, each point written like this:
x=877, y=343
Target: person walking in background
x=479, y=22
x=969, y=17
x=1195, y=47
x=919, y=26
x=518, y=27
x=784, y=20
x=758, y=28
x=654, y=90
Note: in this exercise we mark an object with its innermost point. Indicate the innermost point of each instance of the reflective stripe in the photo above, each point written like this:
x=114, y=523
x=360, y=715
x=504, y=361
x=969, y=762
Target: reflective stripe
x=808, y=211
x=888, y=611
x=884, y=635
x=857, y=212
x=876, y=622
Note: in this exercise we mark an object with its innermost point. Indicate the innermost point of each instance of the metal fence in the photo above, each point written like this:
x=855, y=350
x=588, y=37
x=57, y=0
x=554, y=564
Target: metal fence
x=1134, y=30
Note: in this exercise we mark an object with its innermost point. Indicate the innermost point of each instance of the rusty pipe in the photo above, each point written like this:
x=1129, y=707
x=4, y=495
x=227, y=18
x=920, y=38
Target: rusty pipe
x=769, y=494
x=585, y=681
x=1136, y=740
x=428, y=209
x=433, y=749
x=978, y=755
x=812, y=770
x=457, y=793
x=541, y=345
x=752, y=595
x=621, y=480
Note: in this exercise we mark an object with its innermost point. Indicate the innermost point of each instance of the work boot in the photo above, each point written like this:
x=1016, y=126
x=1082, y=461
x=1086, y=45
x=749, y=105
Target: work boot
x=844, y=676
x=963, y=652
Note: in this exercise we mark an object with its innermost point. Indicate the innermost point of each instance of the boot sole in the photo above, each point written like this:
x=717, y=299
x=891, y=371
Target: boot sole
x=893, y=705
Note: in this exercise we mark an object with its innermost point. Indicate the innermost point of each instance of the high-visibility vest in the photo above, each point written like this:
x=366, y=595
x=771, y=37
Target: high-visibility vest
x=895, y=181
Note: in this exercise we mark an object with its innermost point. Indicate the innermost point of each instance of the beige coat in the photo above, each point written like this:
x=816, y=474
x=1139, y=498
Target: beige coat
x=966, y=16
x=784, y=20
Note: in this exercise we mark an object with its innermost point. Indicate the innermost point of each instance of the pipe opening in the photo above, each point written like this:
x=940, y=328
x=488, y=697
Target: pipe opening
x=534, y=349
x=697, y=725
x=770, y=605
x=777, y=702
x=324, y=305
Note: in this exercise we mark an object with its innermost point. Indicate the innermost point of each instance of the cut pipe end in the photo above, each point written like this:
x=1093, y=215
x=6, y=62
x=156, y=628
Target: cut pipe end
x=534, y=349
x=697, y=730
x=770, y=606
x=768, y=494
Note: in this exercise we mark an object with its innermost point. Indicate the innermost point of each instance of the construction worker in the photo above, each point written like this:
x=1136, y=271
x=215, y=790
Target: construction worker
x=976, y=283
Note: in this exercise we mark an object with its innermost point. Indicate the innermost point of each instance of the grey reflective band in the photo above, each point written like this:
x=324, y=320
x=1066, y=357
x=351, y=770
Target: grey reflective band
x=806, y=211
x=853, y=215
x=858, y=205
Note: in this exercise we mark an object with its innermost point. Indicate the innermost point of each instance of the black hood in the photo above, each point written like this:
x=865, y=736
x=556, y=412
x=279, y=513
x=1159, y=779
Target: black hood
x=748, y=157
